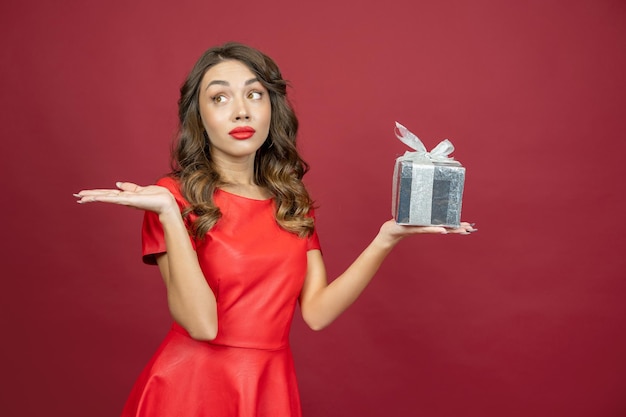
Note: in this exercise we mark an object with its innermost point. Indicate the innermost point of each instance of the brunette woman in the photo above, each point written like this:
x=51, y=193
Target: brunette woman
x=232, y=231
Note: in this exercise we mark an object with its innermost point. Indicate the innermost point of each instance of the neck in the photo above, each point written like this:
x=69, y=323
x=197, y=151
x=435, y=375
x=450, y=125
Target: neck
x=236, y=171
x=238, y=177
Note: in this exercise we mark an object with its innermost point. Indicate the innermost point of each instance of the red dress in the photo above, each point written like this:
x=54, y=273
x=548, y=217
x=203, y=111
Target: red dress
x=256, y=271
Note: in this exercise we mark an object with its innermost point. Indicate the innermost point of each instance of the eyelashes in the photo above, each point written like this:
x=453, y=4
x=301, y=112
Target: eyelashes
x=217, y=99
x=222, y=98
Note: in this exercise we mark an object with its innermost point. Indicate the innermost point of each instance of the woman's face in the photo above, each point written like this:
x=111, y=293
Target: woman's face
x=235, y=110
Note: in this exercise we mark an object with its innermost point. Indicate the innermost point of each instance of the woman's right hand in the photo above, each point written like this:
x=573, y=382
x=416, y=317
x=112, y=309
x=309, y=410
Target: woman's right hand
x=152, y=197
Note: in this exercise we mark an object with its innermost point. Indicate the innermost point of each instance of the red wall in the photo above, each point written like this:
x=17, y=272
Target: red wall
x=524, y=318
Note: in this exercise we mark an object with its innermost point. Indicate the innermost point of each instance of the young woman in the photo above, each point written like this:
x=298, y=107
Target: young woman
x=232, y=231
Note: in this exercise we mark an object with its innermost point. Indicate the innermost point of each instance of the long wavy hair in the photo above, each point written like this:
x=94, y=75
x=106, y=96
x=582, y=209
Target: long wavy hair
x=277, y=165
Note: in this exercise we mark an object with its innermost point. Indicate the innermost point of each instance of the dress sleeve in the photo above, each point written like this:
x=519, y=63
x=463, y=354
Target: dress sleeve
x=152, y=236
x=313, y=241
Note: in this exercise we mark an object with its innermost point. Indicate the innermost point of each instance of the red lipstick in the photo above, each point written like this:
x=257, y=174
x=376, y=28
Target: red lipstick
x=242, y=132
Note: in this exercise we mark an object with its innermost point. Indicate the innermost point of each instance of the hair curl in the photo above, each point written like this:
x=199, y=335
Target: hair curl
x=277, y=166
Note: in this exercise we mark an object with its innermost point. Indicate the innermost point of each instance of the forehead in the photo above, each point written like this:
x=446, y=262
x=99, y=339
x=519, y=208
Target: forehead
x=231, y=71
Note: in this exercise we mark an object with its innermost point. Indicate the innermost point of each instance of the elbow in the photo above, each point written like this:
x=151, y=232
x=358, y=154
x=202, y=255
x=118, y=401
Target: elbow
x=316, y=315
x=203, y=336
x=205, y=333
x=316, y=324
x=201, y=326
x=317, y=327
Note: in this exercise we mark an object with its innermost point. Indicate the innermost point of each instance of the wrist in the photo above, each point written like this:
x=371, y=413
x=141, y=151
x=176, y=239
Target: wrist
x=171, y=214
x=386, y=241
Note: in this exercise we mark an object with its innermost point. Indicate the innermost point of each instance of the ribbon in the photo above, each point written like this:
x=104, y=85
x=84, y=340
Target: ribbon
x=438, y=154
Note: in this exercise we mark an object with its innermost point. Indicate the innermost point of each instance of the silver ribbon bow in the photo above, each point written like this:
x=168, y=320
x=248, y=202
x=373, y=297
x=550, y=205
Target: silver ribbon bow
x=438, y=154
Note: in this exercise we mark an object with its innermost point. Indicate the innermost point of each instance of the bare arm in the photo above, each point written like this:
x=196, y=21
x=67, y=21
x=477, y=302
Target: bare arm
x=322, y=303
x=190, y=299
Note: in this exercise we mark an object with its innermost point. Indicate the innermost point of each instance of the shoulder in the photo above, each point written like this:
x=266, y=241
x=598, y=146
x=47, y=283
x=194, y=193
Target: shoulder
x=173, y=185
x=169, y=182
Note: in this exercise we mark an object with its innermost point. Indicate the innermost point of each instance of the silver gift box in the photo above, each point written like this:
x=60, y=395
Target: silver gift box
x=427, y=194
x=427, y=186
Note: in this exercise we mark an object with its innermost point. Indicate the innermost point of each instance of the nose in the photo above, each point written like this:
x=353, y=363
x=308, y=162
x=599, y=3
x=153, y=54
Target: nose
x=241, y=111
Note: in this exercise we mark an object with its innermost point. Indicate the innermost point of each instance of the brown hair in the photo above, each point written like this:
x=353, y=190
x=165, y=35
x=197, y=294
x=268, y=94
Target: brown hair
x=278, y=167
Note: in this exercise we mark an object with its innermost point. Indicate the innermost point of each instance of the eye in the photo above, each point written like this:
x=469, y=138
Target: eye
x=220, y=98
x=255, y=95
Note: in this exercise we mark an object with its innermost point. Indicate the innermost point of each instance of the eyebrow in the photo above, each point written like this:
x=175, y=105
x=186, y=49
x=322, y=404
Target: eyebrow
x=226, y=83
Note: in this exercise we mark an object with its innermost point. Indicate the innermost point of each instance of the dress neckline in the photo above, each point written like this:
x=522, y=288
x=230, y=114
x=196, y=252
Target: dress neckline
x=263, y=200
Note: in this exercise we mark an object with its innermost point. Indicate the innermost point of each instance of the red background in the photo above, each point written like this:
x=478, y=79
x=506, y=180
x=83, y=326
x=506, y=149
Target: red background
x=524, y=318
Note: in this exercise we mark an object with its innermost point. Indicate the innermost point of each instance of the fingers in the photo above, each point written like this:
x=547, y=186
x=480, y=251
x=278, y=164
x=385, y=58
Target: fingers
x=128, y=186
x=107, y=195
x=464, y=229
x=151, y=198
x=430, y=229
x=407, y=230
x=89, y=196
x=404, y=230
x=95, y=192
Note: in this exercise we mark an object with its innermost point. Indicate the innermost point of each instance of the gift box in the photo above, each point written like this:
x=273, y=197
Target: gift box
x=427, y=186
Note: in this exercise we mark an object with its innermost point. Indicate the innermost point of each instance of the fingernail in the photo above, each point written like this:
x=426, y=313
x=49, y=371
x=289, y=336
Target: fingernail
x=118, y=184
x=76, y=195
x=472, y=224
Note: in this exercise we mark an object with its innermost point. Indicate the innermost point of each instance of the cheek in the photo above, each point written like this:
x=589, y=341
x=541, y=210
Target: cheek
x=268, y=114
x=212, y=118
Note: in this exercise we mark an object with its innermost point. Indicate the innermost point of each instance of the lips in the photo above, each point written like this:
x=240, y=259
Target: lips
x=242, y=133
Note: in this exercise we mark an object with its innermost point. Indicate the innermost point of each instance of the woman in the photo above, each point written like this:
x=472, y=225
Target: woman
x=232, y=232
